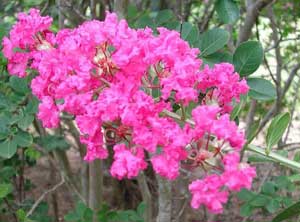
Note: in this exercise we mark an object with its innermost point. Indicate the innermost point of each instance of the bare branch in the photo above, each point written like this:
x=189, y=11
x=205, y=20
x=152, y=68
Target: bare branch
x=253, y=10
x=40, y=199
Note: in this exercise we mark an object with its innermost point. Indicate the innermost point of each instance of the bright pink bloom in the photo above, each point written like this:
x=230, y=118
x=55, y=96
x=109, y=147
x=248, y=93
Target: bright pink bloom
x=165, y=166
x=126, y=164
x=209, y=193
x=237, y=175
x=48, y=113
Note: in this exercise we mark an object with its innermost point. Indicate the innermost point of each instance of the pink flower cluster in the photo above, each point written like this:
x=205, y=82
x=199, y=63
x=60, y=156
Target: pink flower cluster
x=212, y=190
x=120, y=84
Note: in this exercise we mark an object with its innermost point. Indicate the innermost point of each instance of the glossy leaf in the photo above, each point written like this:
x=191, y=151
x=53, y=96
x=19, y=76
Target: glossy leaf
x=23, y=139
x=287, y=213
x=261, y=89
x=228, y=11
x=8, y=148
x=188, y=32
x=163, y=17
x=247, y=57
x=276, y=129
x=212, y=40
x=217, y=57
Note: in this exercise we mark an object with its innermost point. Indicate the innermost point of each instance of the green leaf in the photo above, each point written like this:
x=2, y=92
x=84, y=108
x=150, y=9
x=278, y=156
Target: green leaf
x=188, y=32
x=72, y=217
x=80, y=209
x=212, y=40
x=283, y=182
x=5, y=189
x=32, y=106
x=217, y=57
x=261, y=89
x=21, y=214
x=141, y=209
x=25, y=122
x=297, y=156
x=32, y=153
x=259, y=200
x=88, y=215
x=228, y=11
x=19, y=85
x=145, y=21
x=7, y=172
x=245, y=195
x=287, y=213
x=238, y=108
x=164, y=16
x=295, y=178
x=273, y=205
x=132, y=11
x=51, y=143
x=252, y=131
x=23, y=139
x=40, y=212
x=8, y=148
x=246, y=210
x=268, y=188
x=247, y=57
x=276, y=129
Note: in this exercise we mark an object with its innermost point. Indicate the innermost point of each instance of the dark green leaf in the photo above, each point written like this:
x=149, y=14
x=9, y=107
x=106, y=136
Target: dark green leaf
x=282, y=182
x=25, y=122
x=268, y=188
x=217, y=57
x=259, y=200
x=247, y=57
x=5, y=189
x=261, y=89
x=245, y=195
x=252, y=131
x=212, y=40
x=246, y=210
x=32, y=106
x=276, y=129
x=238, y=108
x=228, y=11
x=188, y=32
x=19, y=85
x=7, y=172
x=164, y=16
x=272, y=205
x=51, y=143
x=8, y=148
x=141, y=209
x=132, y=11
x=288, y=213
x=23, y=139
x=145, y=21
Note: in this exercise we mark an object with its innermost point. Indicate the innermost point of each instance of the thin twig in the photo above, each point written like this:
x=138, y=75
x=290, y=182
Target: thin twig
x=39, y=200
